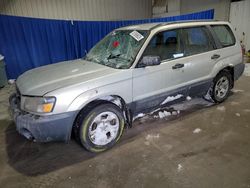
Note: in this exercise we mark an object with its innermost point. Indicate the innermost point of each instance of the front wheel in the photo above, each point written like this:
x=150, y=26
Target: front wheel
x=101, y=127
x=221, y=87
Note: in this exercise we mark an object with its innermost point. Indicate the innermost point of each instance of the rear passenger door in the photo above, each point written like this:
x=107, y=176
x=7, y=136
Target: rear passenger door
x=199, y=47
x=199, y=59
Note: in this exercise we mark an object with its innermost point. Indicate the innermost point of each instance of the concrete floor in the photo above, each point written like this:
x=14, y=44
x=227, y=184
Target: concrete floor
x=154, y=153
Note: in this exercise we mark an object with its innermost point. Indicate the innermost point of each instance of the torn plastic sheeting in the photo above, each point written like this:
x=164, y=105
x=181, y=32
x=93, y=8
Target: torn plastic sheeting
x=171, y=98
x=140, y=115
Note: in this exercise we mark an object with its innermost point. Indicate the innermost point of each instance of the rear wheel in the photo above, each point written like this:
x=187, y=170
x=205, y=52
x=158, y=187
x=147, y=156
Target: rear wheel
x=220, y=89
x=101, y=127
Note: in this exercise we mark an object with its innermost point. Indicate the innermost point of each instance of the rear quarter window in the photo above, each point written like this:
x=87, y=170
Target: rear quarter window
x=224, y=35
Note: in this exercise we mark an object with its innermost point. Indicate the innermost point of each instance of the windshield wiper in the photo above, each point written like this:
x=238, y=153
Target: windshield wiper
x=91, y=59
x=111, y=56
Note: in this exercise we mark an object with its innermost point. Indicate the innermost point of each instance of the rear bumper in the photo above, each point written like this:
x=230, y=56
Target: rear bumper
x=238, y=70
x=42, y=128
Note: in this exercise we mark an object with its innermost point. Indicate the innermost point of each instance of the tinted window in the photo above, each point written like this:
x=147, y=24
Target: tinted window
x=196, y=40
x=165, y=44
x=224, y=35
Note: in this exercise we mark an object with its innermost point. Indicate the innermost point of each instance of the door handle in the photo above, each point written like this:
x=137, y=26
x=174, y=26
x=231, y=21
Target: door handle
x=215, y=56
x=177, y=66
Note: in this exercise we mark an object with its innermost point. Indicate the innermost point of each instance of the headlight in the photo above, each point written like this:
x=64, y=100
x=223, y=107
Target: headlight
x=39, y=104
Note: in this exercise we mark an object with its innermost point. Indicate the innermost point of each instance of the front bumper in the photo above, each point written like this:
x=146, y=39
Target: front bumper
x=42, y=128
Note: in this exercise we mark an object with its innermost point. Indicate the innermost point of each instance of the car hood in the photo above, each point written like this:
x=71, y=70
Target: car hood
x=39, y=81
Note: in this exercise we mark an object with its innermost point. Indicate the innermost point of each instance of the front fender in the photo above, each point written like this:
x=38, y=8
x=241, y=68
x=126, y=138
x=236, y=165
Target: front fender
x=122, y=89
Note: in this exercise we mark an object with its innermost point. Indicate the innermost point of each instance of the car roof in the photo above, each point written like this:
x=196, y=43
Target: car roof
x=147, y=26
x=158, y=25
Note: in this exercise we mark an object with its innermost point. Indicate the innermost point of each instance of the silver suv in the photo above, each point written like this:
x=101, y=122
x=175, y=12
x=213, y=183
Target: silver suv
x=132, y=70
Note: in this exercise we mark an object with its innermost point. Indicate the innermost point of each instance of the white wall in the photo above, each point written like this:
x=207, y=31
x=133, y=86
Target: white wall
x=221, y=7
x=177, y=7
x=172, y=6
x=240, y=20
x=78, y=9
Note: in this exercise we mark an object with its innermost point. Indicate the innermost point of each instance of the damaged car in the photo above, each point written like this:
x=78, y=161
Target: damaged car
x=133, y=69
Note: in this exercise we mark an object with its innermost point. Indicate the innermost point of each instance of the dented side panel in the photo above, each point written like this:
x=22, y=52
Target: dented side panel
x=194, y=90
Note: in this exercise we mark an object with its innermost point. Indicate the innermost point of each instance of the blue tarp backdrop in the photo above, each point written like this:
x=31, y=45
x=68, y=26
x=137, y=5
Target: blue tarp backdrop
x=27, y=43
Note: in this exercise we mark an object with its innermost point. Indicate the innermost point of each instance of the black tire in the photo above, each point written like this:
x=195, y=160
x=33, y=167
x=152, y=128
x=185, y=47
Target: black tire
x=85, y=121
x=218, y=97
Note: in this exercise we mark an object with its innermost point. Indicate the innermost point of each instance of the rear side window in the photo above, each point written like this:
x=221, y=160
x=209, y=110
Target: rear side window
x=196, y=40
x=224, y=34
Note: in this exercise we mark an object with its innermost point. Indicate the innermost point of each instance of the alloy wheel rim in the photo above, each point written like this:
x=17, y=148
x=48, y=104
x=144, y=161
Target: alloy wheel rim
x=221, y=87
x=104, y=128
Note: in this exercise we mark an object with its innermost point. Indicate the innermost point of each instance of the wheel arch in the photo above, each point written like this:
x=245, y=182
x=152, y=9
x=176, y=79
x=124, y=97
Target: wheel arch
x=112, y=99
x=229, y=69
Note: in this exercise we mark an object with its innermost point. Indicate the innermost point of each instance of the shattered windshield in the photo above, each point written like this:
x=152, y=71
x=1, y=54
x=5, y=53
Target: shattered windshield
x=118, y=49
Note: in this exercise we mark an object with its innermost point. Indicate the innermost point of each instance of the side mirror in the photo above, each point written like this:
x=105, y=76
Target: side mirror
x=149, y=61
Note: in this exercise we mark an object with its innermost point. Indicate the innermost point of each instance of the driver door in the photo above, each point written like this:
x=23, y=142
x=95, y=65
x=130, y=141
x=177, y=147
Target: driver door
x=152, y=84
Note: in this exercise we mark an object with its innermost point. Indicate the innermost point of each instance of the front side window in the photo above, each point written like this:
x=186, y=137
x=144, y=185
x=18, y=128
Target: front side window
x=118, y=49
x=167, y=45
x=196, y=40
x=224, y=34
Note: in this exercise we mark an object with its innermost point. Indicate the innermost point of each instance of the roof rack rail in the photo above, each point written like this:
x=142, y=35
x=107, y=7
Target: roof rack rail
x=182, y=21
